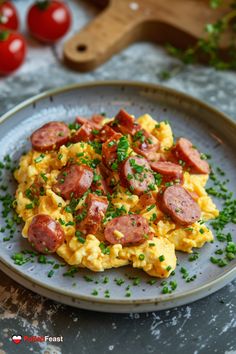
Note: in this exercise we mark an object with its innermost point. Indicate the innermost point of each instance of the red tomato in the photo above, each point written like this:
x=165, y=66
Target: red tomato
x=12, y=51
x=49, y=20
x=9, y=15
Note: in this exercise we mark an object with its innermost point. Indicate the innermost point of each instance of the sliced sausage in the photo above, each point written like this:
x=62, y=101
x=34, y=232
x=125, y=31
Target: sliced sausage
x=112, y=181
x=169, y=171
x=185, y=151
x=178, y=203
x=94, y=212
x=194, y=195
x=50, y=136
x=92, y=122
x=125, y=123
x=146, y=199
x=152, y=156
x=109, y=150
x=81, y=120
x=104, y=170
x=45, y=234
x=145, y=144
x=97, y=119
x=106, y=133
x=135, y=173
x=109, y=178
x=132, y=230
x=100, y=184
x=73, y=181
x=84, y=133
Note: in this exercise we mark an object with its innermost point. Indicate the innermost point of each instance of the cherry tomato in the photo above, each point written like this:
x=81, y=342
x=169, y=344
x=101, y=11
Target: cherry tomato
x=48, y=20
x=9, y=15
x=12, y=51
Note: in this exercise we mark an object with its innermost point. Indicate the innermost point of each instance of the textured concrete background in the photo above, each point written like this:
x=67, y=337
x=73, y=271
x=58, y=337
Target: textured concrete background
x=207, y=326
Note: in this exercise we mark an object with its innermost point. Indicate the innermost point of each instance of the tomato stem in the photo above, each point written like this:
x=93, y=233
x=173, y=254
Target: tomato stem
x=4, y=35
x=42, y=4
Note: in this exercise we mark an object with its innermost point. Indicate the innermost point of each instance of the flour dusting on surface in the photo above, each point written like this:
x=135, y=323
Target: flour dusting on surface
x=51, y=349
x=32, y=313
x=19, y=302
x=155, y=330
x=227, y=326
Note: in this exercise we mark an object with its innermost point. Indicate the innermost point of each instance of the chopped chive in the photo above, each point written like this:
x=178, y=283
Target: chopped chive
x=162, y=258
x=94, y=292
x=88, y=278
x=39, y=158
x=50, y=273
x=141, y=256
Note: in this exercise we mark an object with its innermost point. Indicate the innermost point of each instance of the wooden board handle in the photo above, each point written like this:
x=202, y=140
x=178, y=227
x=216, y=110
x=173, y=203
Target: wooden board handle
x=115, y=28
x=125, y=21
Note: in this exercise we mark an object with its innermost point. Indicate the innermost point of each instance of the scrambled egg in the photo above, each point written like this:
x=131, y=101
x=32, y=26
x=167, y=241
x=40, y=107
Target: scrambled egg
x=159, y=253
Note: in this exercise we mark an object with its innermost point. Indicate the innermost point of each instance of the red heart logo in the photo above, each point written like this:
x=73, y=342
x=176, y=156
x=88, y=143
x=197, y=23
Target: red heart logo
x=16, y=339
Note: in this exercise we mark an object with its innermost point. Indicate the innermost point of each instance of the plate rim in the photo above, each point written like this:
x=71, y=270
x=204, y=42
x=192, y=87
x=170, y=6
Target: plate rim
x=227, y=274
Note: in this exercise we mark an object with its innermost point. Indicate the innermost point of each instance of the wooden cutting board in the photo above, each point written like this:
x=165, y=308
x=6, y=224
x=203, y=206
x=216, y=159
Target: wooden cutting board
x=122, y=22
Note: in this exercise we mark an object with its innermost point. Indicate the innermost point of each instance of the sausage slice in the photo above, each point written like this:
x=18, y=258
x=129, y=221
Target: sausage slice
x=146, y=199
x=92, y=214
x=127, y=230
x=81, y=120
x=109, y=150
x=99, y=182
x=97, y=119
x=45, y=234
x=73, y=181
x=125, y=123
x=50, y=136
x=106, y=133
x=185, y=151
x=169, y=171
x=84, y=133
x=135, y=173
x=92, y=122
x=144, y=143
x=178, y=203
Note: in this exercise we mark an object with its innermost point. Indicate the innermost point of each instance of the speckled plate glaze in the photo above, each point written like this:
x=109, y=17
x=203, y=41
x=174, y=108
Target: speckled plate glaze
x=213, y=132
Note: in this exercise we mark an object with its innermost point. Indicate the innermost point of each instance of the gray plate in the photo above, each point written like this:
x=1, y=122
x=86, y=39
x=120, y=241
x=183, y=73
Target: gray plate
x=209, y=129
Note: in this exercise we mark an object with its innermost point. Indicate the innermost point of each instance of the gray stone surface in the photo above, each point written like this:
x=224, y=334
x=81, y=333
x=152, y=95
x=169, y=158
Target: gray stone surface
x=206, y=326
